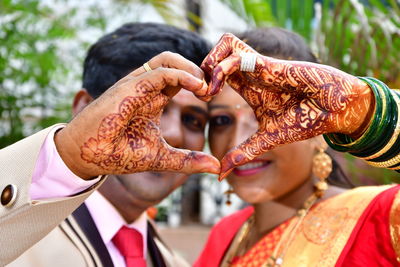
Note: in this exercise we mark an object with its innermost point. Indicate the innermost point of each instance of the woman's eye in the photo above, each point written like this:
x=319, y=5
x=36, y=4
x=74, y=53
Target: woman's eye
x=192, y=122
x=221, y=120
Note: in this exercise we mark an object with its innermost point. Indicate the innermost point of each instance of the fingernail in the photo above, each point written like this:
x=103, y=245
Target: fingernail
x=223, y=175
x=225, y=170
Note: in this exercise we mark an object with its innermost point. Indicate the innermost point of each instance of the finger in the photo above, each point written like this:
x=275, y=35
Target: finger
x=171, y=60
x=199, y=162
x=220, y=73
x=205, y=98
x=185, y=161
x=179, y=79
x=169, y=81
x=220, y=51
x=227, y=45
x=253, y=147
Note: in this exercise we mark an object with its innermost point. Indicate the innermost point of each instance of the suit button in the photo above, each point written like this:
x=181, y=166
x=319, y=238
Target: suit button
x=8, y=195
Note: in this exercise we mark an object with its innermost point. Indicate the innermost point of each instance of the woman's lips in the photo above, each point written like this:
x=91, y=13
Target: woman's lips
x=251, y=168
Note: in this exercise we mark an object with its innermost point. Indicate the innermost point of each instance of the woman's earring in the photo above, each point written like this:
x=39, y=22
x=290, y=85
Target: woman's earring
x=228, y=196
x=322, y=168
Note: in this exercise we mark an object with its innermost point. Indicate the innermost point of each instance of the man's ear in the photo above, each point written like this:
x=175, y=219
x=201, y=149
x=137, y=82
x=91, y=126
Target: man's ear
x=81, y=100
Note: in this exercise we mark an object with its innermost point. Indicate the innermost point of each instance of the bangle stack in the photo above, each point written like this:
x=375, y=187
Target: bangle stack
x=379, y=145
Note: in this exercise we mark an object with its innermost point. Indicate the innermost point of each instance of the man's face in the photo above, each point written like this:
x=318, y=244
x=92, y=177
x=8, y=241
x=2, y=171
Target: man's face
x=182, y=126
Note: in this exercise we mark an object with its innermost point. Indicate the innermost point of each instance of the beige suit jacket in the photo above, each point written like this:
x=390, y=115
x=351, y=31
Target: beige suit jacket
x=74, y=243
x=26, y=221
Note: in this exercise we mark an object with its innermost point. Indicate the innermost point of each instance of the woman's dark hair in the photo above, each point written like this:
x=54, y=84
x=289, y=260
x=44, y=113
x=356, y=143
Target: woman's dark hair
x=284, y=44
x=338, y=177
x=278, y=43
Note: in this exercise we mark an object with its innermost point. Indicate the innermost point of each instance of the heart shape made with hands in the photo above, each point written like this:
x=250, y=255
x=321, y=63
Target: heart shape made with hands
x=291, y=100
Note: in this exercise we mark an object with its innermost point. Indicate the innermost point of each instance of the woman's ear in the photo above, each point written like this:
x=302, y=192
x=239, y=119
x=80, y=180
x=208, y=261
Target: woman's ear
x=81, y=100
x=319, y=143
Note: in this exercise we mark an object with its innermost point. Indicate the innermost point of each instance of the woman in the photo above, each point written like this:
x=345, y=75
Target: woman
x=295, y=219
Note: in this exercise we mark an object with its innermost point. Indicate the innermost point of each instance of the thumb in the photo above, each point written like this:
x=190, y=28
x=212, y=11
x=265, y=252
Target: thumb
x=254, y=146
x=185, y=161
x=198, y=162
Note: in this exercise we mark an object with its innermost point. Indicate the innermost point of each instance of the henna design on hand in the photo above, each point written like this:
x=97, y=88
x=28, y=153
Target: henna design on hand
x=292, y=100
x=128, y=137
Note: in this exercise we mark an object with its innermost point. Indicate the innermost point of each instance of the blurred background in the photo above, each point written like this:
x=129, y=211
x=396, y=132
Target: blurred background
x=43, y=44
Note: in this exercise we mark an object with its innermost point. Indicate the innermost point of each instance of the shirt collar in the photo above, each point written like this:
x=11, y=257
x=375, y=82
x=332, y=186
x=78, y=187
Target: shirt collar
x=110, y=226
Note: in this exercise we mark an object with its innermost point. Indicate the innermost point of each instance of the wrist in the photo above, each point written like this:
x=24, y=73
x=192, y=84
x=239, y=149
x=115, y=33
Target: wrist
x=69, y=152
x=365, y=109
x=379, y=144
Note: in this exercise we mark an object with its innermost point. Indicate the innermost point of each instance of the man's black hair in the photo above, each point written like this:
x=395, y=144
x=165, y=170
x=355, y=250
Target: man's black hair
x=118, y=53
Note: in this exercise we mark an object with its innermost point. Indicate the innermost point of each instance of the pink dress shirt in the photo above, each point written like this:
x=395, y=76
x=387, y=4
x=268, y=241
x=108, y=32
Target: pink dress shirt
x=108, y=221
x=52, y=179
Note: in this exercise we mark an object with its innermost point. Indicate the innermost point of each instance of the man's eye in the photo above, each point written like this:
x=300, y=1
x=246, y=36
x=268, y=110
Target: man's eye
x=221, y=120
x=192, y=122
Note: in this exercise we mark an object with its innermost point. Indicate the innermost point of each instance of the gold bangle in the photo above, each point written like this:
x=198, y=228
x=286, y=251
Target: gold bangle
x=395, y=133
x=386, y=164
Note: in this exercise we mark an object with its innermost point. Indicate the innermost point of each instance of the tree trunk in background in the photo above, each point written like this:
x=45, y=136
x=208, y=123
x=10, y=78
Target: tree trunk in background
x=193, y=14
x=191, y=200
x=191, y=189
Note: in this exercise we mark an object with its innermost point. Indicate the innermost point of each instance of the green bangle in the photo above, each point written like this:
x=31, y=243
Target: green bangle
x=383, y=127
x=389, y=134
x=394, y=143
x=344, y=143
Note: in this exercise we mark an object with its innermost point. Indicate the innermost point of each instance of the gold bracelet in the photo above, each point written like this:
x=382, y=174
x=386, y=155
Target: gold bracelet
x=395, y=133
x=386, y=164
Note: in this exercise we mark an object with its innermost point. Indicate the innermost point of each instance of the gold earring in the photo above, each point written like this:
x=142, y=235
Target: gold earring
x=228, y=193
x=322, y=168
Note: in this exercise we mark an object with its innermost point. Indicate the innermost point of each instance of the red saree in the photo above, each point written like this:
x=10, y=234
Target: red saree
x=358, y=228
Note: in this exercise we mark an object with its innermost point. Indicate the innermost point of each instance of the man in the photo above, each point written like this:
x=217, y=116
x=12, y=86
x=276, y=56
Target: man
x=88, y=236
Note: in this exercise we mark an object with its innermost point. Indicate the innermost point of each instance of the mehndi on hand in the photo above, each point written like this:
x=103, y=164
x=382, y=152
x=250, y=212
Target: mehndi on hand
x=292, y=100
x=120, y=131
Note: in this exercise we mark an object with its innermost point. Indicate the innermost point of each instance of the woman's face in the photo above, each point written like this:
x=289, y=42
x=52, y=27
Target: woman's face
x=269, y=176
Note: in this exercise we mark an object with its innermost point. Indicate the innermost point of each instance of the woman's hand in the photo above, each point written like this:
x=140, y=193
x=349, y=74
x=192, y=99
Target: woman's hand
x=292, y=100
x=120, y=131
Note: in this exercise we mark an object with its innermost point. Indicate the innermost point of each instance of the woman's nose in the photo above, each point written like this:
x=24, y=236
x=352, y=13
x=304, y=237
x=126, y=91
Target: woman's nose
x=171, y=128
x=245, y=128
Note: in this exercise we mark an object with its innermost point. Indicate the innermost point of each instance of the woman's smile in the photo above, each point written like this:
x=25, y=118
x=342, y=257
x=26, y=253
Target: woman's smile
x=251, y=168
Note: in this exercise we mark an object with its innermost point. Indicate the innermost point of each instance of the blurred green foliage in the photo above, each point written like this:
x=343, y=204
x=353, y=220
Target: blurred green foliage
x=35, y=71
x=361, y=37
x=358, y=37
x=28, y=65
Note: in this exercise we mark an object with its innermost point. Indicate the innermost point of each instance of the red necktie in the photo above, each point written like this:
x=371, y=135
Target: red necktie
x=130, y=244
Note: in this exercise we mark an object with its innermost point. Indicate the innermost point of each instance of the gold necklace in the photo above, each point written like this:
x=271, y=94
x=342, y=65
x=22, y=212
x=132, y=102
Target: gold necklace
x=276, y=259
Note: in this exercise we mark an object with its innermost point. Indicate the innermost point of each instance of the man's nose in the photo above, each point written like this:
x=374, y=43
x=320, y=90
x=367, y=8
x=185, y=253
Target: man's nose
x=171, y=128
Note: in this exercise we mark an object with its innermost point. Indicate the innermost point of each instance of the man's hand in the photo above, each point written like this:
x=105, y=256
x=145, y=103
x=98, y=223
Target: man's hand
x=119, y=132
x=292, y=100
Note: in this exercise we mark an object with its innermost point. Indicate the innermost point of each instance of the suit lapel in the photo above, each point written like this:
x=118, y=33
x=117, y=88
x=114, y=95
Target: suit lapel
x=154, y=253
x=82, y=230
x=81, y=221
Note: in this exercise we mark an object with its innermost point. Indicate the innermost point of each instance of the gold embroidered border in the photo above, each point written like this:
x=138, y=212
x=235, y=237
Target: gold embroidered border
x=302, y=252
x=394, y=220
